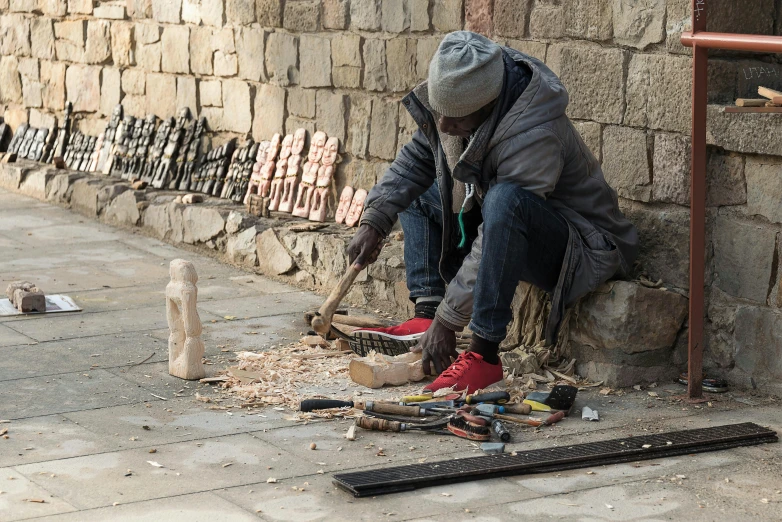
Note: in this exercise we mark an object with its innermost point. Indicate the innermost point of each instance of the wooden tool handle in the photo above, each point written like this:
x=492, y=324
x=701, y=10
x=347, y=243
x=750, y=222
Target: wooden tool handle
x=528, y=422
x=322, y=322
x=323, y=404
x=378, y=424
x=554, y=418
x=396, y=409
x=524, y=409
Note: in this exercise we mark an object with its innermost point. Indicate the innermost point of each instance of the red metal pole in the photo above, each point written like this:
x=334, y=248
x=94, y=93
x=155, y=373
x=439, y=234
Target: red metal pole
x=733, y=42
x=697, y=203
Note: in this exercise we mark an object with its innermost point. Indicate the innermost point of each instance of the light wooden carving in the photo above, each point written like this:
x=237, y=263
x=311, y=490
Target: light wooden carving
x=185, y=347
x=377, y=370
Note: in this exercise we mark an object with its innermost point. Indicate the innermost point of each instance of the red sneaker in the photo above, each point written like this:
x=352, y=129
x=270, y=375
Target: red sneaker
x=469, y=372
x=393, y=340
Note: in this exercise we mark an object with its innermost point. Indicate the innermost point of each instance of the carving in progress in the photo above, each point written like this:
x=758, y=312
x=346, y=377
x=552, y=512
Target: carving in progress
x=376, y=370
x=254, y=185
x=185, y=347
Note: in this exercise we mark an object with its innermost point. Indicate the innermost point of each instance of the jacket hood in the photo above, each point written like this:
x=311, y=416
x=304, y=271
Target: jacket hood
x=544, y=99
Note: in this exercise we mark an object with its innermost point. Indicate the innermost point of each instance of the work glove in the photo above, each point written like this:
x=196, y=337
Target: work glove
x=438, y=346
x=365, y=246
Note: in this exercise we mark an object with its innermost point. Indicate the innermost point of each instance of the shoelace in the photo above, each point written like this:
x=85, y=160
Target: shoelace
x=459, y=365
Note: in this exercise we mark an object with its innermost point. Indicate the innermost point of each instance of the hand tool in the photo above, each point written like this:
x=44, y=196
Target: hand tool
x=561, y=397
x=551, y=419
x=430, y=405
x=374, y=424
x=497, y=397
x=508, y=408
x=428, y=397
x=321, y=323
x=500, y=430
x=459, y=426
x=325, y=404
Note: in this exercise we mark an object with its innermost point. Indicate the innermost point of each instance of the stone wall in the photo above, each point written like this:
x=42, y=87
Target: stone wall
x=254, y=67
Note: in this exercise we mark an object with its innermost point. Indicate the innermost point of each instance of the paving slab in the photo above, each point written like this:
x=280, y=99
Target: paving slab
x=45, y=438
x=189, y=467
x=169, y=423
x=10, y=201
x=68, y=279
x=9, y=337
x=248, y=334
x=18, y=491
x=315, y=498
x=67, y=392
x=79, y=324
x=334, y=452
x=276, y=304
x=99, y=254
x=24, y=219
x=32, y=359
x=198, y=507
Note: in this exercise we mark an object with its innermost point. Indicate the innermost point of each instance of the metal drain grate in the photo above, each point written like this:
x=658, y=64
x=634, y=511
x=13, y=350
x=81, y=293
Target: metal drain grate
x=406, y=478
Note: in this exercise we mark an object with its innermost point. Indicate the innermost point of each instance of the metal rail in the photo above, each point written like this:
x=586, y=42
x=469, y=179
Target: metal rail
x=701, y=41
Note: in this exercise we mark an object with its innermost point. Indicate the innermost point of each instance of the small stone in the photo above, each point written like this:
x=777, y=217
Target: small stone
x=313, y=445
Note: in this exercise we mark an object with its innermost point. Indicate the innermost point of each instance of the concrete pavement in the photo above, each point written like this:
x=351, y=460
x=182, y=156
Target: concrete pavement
x=86, y=417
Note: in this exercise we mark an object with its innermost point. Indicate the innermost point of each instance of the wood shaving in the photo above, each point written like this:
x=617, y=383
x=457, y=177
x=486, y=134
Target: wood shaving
x=285, y=375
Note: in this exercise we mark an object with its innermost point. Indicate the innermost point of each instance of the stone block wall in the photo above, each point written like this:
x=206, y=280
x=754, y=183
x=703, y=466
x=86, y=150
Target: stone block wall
x=255, y=67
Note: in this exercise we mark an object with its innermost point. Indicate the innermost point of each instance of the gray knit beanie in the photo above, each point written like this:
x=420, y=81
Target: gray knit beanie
x=465, y=74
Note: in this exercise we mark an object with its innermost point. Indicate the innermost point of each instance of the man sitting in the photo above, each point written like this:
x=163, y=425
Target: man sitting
x=495, y=187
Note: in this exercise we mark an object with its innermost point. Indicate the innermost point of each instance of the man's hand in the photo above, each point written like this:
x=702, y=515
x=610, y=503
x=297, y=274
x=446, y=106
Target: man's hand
x=438, y=345
x=365, y=246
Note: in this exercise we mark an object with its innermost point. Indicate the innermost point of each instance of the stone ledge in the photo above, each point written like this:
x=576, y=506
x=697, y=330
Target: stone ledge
x=624, y=334
x=313, y=259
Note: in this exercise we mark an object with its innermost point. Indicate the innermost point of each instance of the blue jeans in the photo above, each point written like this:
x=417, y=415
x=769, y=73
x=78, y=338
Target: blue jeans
x=524, y=239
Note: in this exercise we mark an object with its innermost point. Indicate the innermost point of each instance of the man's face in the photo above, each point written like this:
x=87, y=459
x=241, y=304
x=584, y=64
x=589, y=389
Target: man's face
x=465, y=126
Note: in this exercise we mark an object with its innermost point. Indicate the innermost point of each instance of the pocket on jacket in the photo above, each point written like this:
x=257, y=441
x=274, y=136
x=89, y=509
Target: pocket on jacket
x=599, y=262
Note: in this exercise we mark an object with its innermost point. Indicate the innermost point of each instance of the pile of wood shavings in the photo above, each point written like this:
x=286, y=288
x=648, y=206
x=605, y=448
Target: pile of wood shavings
x=285, y=376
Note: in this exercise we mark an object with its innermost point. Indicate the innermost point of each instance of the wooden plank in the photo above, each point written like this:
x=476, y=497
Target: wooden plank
x=772, y=110
x=749, y=102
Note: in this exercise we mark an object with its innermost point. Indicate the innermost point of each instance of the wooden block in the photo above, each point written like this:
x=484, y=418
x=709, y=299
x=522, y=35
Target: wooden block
x=750, y=102
x=9, y=157
x=59, y=162
x=377, y=370
x=27, y=301
x=770, y=93
x=315, y=340
x=138, y=185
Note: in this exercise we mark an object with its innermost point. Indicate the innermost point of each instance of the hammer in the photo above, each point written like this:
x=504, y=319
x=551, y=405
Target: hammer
x=321, y=323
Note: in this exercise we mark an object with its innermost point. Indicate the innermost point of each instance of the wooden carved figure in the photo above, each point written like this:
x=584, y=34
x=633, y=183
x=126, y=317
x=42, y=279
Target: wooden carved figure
x=344, y=204
x=185, y=347
x=307, y=186
x=254, y=186
x=356, y=208
x=267, y=171
x=287, y=199
x=96, y=153
x=279, y=174
x=325, y=176
x=306, y=189
x=279, y=177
